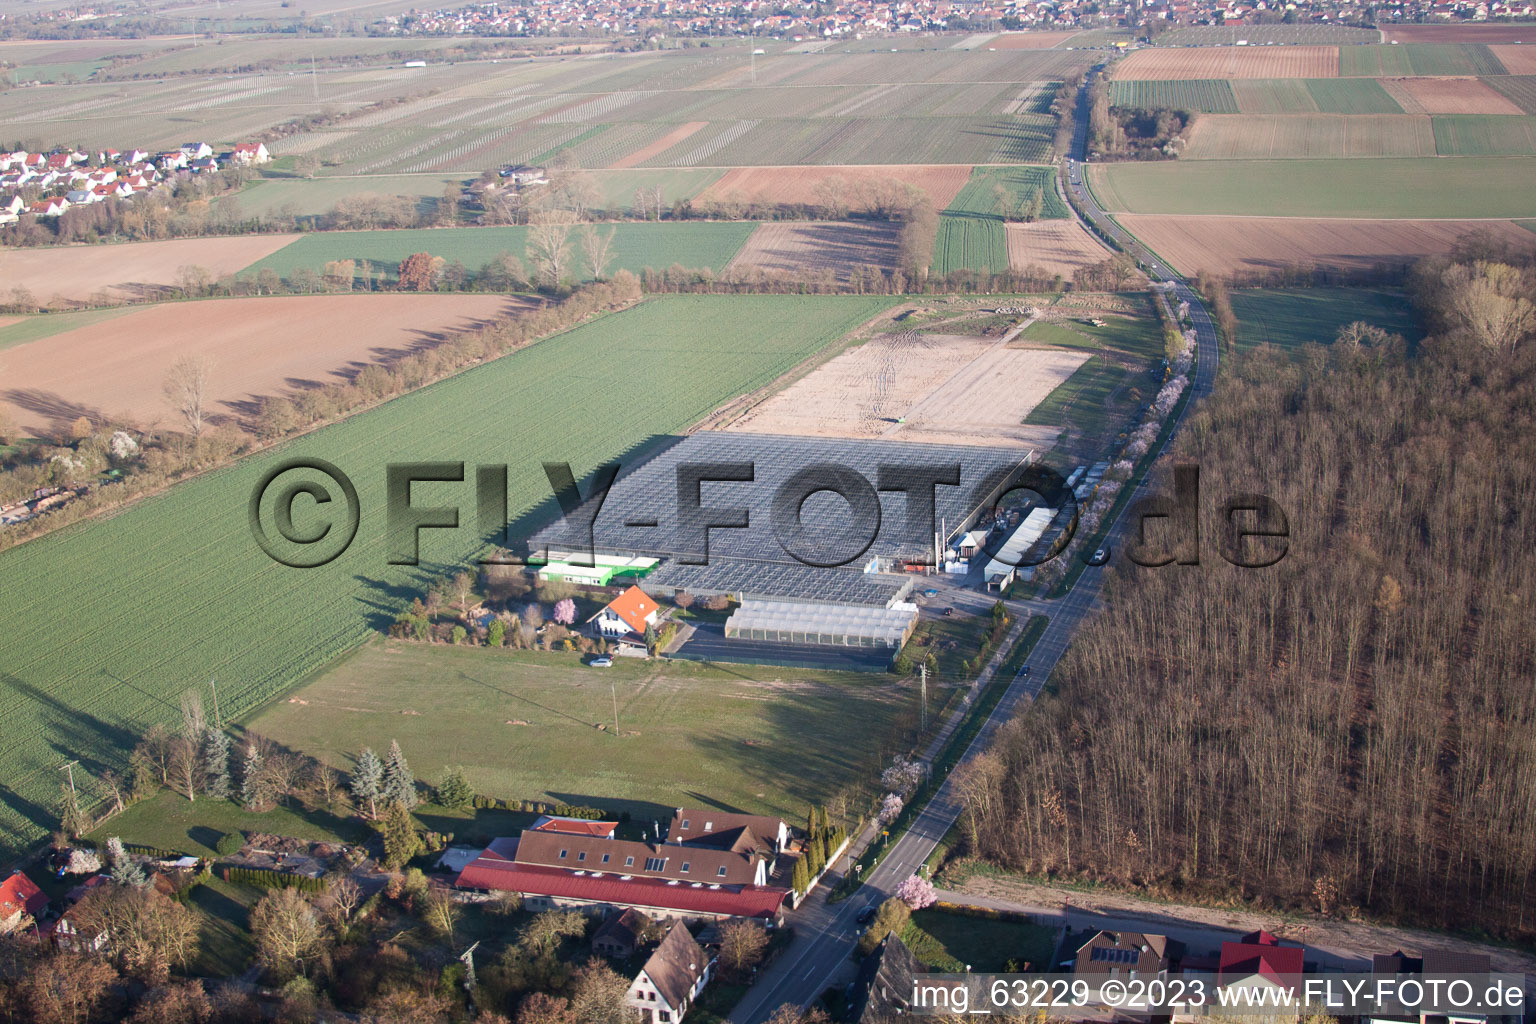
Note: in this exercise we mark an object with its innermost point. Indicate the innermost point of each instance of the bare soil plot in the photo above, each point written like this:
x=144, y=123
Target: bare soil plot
x=1060, y=246
x=1449, y=96
x=260, y=346
x=661, y=145
x=802, y=184
x=1225, y=244
x=1519, y=60
x=1028, y=40
x=949, y=389
x=75, y=273
x=1460, y=34
x=800, y=248
x=1231, y=62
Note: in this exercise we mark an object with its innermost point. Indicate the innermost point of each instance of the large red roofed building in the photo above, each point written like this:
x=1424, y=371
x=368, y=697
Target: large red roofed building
x=20, y=898
x=1258, y=959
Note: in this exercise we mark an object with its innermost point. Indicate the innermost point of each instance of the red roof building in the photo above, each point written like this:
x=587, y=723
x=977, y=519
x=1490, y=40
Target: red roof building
x=19, y=896
x=575, y=827
x=1259, y=955
x=630, y=612
x=660, y=897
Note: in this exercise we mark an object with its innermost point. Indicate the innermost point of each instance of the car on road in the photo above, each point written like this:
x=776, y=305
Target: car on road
x=949, y=611
x=1099, y=557
x=930, y=592
x=865, y=916
x=602, y=661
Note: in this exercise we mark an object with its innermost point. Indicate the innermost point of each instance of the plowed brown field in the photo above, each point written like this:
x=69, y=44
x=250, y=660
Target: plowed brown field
x=1060, y=246
x=799, y=184
x=1519, y=60
x=259, y=347
x=800, y=248
x=1224, y=244
x=1230, y=62
x=1461, y=34
x=1450, y=96
x=137, y=270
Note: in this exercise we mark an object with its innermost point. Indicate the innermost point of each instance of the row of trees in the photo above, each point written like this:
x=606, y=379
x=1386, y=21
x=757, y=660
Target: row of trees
x=1352, y=727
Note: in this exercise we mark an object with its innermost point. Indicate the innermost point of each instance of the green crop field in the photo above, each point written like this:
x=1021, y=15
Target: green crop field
x=971, y=234
x=1205, y=95
x=108, y=622
x=1292, y=317
x=265, y=197
x=1432, y=187
x=635, y=246
x=1274, y=95
x=1351, y=96
x=1521, y=89
x=1485, y=135
x=766, y=739
x=1418, y=59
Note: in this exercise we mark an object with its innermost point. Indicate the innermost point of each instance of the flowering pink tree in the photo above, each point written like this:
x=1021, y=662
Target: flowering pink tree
x=917, y=892
x=565, y=611
x=890, y=808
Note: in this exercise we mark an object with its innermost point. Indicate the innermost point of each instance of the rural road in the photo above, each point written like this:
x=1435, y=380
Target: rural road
x=826, y=933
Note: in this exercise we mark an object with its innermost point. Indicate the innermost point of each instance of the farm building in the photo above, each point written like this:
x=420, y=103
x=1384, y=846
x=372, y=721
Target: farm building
x=807, y=622
x=1002, y=567
x=601, y=573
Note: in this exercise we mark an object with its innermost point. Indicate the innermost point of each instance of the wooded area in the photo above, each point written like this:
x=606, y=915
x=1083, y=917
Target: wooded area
x=1354, y=727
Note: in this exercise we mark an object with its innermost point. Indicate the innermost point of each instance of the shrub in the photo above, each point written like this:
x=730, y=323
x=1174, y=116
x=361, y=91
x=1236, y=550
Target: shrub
x=229, y=844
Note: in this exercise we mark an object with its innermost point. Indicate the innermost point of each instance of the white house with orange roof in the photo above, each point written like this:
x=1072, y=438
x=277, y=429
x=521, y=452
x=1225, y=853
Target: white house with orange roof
x=629, y=613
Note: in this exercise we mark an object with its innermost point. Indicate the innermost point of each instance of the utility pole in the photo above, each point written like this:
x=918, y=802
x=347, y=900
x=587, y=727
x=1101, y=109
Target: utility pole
x=218, y=723
x=923, y=674
x=69, y=766
x=314, y=83
x=613, y=689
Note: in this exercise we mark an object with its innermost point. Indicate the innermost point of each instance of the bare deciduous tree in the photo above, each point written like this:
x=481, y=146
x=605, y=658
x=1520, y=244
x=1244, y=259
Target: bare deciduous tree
x=597, y=248
x=549, y=249
x=186, y=388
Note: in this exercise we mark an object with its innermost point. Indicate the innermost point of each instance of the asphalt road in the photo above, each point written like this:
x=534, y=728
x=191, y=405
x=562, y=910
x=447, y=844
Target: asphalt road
x=826, y=932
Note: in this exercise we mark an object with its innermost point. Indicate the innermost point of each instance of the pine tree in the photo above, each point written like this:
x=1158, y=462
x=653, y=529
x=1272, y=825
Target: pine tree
x=250, y=779
x=125, y=870
x=216, y=764
x=72, y=818
x=368, y=781
x=810, y=822
x=454, y=791
x=800, y=877
x=399, y=783
x=401, y=842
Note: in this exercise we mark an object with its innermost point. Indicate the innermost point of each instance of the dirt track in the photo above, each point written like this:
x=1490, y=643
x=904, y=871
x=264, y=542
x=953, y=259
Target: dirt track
x=131, y=271
x=259, y=347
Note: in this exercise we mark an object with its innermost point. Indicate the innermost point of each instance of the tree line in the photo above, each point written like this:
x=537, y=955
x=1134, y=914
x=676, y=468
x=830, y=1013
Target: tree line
x=1353, y=728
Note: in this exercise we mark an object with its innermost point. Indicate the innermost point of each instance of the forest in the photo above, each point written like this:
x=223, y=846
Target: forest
x=1353, y=729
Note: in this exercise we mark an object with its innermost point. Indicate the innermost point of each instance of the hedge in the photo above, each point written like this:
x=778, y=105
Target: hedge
x=268, y=879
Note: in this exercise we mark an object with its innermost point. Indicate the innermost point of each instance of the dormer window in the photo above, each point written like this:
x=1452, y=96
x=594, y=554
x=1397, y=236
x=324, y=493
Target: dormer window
x=562, y=855
x=684, y=868
x=709, y=826
x=685, y=823
x=721, y=872
x=582, y=855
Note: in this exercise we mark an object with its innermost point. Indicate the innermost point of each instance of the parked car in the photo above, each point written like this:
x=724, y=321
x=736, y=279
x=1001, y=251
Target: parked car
x=930, y=592
x=1024, y=671
x=866, y=915
x=602, y=661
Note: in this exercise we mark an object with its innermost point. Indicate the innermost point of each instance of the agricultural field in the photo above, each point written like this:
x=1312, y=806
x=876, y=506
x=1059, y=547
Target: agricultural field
x=1208, y=96
x=970, y=242
x=971, y=230
x=1057, y=246
x=815, y=247
x=635, y=246
x=1303, y=136
x=759, y=738
x=616, y=189
x=18, y=330
x=1449, y=95
x=1485, y=135
x=1230, y=244
x=1351, y=96
x=1517, y=60
x=1418, y=59
x=809, y=185
x=1163, y=64
x=67, y=274
x=922, y=386
x=1259, y=35
x=1290, y=318
x=1463, y=33
x=1520, y=89
x=979, y=196
x=206, y=601
x=258, y=346
x=269, y=197
x=1495, y=187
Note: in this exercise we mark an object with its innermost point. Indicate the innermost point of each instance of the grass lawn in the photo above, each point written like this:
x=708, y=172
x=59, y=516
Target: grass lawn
x=169, y=821
x=223, y=911
x=311, y=196
x=1394, y=187
x=635, y=246
x=1095, y=402
x=539, y=726
x=947, y=941
x=1291, y=317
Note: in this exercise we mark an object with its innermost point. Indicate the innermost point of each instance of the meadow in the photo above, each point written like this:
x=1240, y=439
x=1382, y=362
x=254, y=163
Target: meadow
x=1467, y=187
x=1419, y=59
x=108, y=622
x=1290, y=318
x=1293, y=136
x=635, y=246
x=764, y=739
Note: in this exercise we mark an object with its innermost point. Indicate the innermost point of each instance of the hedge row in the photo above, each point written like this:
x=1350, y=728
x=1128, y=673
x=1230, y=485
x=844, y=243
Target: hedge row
x=492, y=803
x=268, y=879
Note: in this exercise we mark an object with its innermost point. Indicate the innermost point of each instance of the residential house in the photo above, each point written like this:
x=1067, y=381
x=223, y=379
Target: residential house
x=65, y=932
x=21, y=903
x=13, y=204
x=1126, y=955
x=726, y=830
x=621, y=934
x=671, y=979
x=628, y=614
x=883, y=988
x=1435, y=963
x=1259, y=961
x=250, y=153
x=51, y=207
x=79, y=196
x=197, y=150
x=203, y=165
